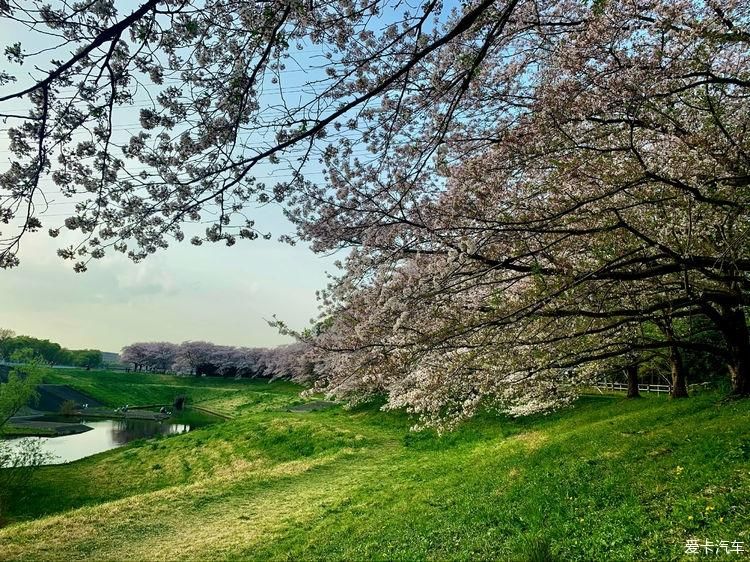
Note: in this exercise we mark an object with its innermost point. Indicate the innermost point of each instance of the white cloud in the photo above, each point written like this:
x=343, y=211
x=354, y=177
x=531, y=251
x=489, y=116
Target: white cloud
x=145, y=279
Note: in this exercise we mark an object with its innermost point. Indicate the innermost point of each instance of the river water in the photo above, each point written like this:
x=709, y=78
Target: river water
x=105, y=434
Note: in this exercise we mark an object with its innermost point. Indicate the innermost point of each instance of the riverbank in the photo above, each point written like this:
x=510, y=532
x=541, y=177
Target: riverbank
x=117, y=413
x=48, y=424
x=39, y=422
x=104, y=394
x=40, y=427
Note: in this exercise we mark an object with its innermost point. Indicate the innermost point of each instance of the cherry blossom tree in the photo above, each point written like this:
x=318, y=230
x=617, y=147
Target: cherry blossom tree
x=551, y=232
x=153, y=356
x=288, y=362
x=136, y=354
x=222, y=88
x=161, y=355
x=612, y=193
x=194, y=355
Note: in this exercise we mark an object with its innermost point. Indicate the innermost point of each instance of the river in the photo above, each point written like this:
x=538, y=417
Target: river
x=105, y=434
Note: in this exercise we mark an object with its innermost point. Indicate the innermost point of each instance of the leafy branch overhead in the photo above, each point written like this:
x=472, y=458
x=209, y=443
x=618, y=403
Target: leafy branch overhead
x=220, y=107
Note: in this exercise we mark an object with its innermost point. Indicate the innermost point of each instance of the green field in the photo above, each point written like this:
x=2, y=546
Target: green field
x=608, y=479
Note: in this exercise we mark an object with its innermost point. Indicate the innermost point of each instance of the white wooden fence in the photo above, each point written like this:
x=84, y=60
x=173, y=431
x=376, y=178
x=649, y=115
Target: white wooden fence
x=621, y=386
x=658, y=388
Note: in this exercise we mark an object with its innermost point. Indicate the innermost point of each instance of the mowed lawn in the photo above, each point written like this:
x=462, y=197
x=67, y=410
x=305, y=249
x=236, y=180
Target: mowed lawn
x=608, y=479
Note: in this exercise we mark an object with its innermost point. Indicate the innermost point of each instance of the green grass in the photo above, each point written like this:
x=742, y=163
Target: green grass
x=115, y=388
x=608, y=479
x=14, y=431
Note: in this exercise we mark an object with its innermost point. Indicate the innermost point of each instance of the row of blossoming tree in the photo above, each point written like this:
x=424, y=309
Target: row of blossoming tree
x=206, y=358
x=529, y=192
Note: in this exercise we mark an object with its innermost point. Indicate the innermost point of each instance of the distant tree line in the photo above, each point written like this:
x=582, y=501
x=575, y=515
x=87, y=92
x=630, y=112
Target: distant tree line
x=22, y=348
x=206, y=358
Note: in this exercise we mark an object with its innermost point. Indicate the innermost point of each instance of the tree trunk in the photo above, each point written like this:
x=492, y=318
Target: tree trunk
x=632, y=373
x=740, y=374
x=679, y=381
x=734, y=328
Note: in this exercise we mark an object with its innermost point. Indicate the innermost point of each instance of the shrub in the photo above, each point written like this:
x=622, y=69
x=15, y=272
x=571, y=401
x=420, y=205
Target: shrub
x=68, y=408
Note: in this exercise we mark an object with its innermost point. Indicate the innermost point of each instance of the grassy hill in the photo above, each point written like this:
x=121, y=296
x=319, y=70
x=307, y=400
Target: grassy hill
x=116, y=388
x=607, y=479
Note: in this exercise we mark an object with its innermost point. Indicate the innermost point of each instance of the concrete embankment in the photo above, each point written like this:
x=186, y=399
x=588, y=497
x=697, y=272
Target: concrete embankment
x=39, y=427
x=129, y=414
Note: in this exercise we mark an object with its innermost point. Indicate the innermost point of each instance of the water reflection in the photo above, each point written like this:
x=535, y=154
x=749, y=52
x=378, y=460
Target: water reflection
x=124, y=431
x=104, y=435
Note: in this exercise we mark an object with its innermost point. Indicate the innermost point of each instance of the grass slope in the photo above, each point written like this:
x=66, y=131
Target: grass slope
x=608, y=479
x=224, y=396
